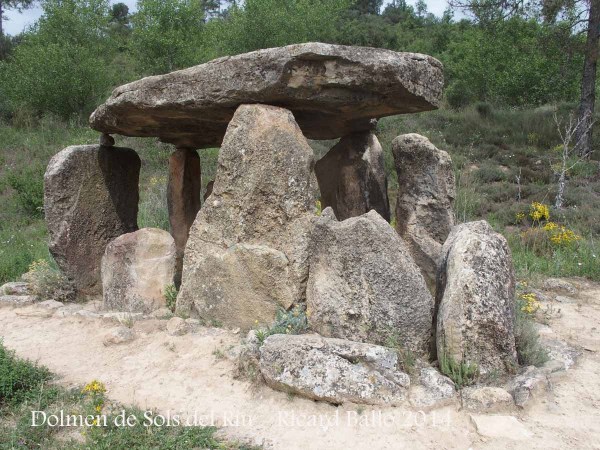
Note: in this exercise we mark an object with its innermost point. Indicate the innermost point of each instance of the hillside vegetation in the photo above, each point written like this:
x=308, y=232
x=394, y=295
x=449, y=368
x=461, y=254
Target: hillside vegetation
x=490, y=148
x=506, y=79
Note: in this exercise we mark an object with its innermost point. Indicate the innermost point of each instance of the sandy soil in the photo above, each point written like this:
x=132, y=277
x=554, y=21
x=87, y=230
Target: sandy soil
x=184, y=375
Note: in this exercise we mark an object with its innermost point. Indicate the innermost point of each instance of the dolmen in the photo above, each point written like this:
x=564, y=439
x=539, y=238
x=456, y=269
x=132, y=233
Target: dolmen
x=280, y=231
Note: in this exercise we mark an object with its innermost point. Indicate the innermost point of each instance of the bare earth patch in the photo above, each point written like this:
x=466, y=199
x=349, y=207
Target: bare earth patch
x=188, y=375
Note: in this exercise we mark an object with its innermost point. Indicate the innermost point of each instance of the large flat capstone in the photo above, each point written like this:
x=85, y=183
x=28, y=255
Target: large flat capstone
x=332, y=90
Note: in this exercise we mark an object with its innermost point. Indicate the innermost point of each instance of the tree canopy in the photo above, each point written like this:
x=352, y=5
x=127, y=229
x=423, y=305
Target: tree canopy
x=80, y=49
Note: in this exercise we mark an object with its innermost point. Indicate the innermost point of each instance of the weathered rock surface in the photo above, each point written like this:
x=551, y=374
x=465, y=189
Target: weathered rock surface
x=424, y=215
x=352, y=177
x=433, y=389
x=162, y=313
x=559, y=352
x=475, y=293
x=363, y=284
x=136, y=268
x=209, y=189
x=16, y=288
x=332, y=90
x=51, y=304
x=177, y=326
x=183, y=192
x=529, y=384
x=486, y=399
x=333, y=370
x=17, y=300
x=247, y=253
x=90, y=197
x=120, y=335
x=500, y=427
x=183, y=199
x=556, y=284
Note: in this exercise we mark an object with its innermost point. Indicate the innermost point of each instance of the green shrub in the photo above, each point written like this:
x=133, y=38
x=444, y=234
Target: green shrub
x=20, y=245
x=529, y=350
x=20, y=380
x=293, y=321
x=484, y=109
x=28, y=184
x=406, y=357
x=463, y=374
x=489, y=173
x=171, y=296
x=48, y=282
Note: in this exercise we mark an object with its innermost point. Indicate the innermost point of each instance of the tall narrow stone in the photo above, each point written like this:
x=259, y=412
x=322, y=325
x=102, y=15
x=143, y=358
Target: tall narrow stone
x=90, y=197
x=424, y=215
x=247, y=253
x=183, y=198
x=476, y=298
x=352, y=177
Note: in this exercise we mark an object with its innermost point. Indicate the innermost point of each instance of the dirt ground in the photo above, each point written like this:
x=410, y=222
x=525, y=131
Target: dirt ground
x=188, y=375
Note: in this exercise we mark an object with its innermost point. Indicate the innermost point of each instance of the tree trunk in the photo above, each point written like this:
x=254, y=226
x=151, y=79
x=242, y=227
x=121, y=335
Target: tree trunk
x=1, y=12
x=588, y=82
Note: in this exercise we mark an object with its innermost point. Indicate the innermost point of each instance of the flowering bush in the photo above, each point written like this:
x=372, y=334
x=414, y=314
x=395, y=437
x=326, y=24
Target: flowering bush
x=545, y=236
x=95, y=391
x=530, y=303
x=539, y=211
x=49, y=283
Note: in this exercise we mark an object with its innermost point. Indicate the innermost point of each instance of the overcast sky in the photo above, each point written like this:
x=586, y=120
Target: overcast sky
x=17, y=22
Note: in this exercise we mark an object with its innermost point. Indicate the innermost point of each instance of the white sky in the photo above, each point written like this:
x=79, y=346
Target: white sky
x=17, y=22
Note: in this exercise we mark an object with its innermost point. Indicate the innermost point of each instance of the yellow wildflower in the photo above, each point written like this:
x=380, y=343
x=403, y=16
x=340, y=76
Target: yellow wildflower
x=539, y=212
x=531, y=303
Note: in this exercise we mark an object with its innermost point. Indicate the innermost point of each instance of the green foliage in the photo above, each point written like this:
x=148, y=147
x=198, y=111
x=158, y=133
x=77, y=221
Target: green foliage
x=63, y=64
x=19, y=247
x=20, y=380
x=49, y=283
x=580, y=259
x=293, y=321
x=489, y=173
x=171, y=296
x=515, y=62
x=141, y=437
x=529, y=350
x=167, y=35
x=406, y=357
x=462, y=373
x=24, y=387
x=28, y=184
x=271, y=23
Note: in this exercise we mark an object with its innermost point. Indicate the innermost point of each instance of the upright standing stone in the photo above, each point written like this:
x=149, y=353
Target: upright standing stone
x=476, y=297
x=364, y=286
x=247, y=252
x=424, y=215
x=352, y=177
x=136, y=269
x=183, y=198
x=90, y=197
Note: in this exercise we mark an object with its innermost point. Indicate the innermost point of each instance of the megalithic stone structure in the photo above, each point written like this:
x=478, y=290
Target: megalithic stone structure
x=352, y=177
x=183, y=198
x=90, y=197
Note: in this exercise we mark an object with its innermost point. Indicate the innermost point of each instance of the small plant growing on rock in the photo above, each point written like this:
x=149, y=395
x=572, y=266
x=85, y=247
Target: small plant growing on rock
x=293, y=321
x=406, y=357
x=171, y=296
x=463, y=374
x=49, y=283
